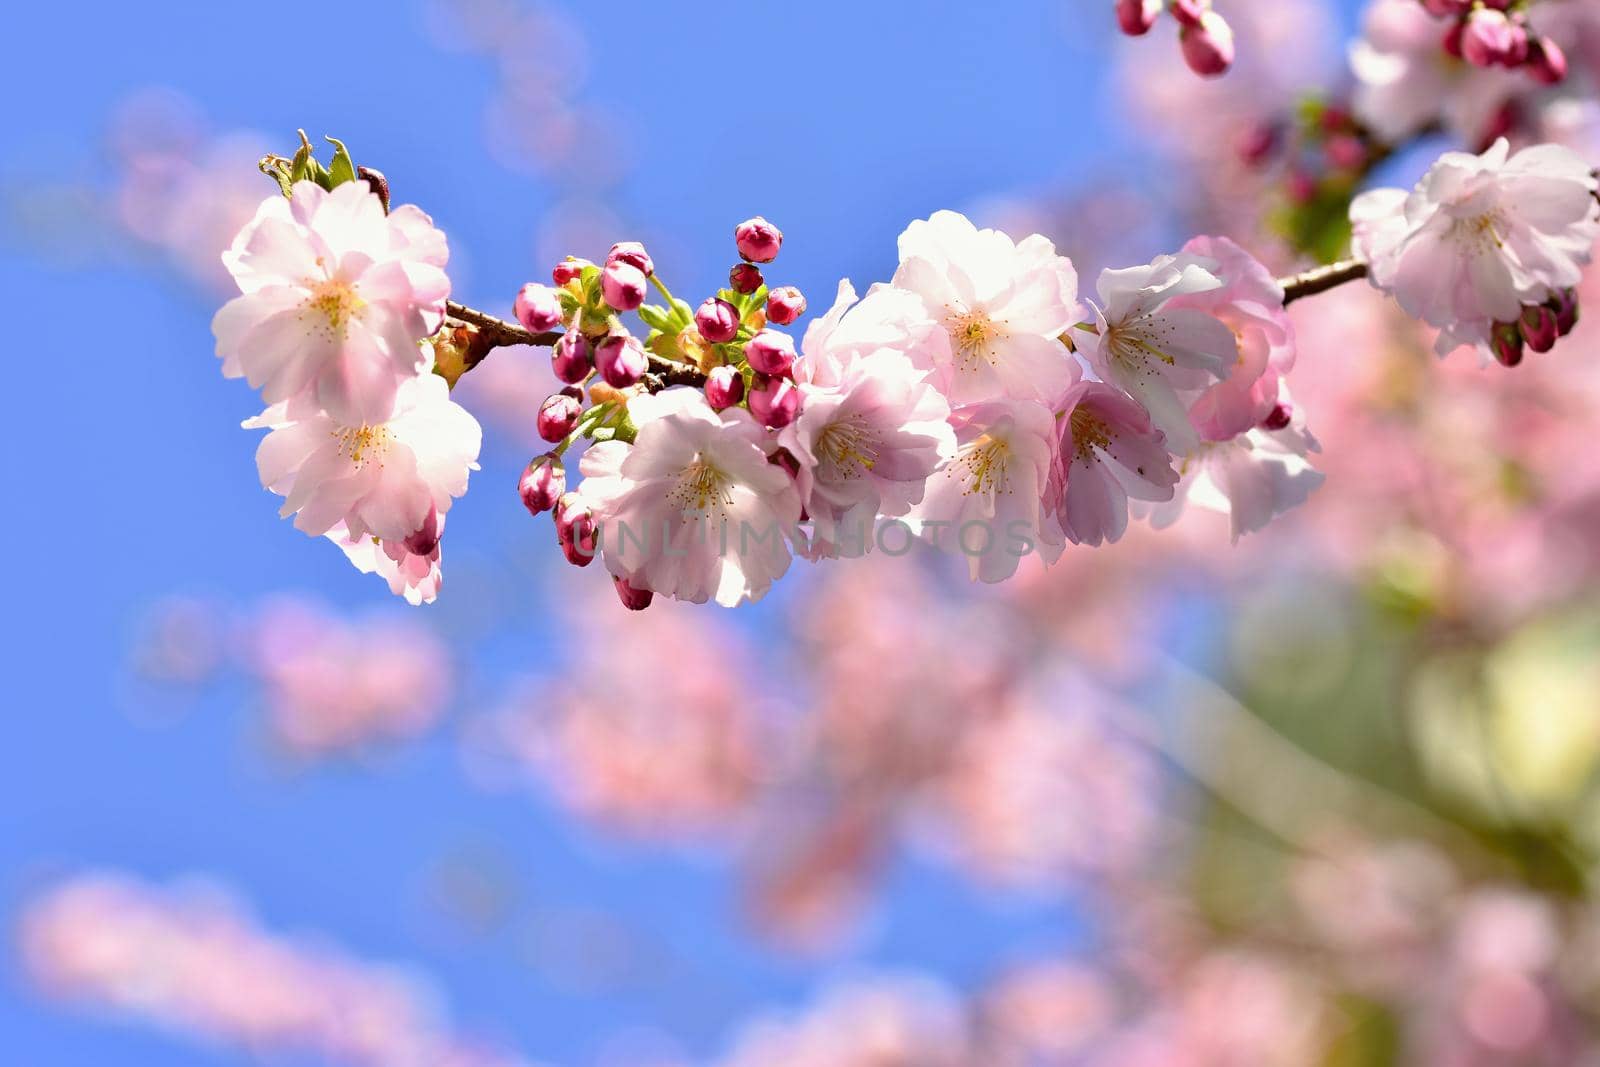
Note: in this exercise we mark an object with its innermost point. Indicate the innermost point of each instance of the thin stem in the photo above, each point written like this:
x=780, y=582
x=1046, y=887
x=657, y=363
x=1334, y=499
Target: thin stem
x=655, y=280
x=1321, y=279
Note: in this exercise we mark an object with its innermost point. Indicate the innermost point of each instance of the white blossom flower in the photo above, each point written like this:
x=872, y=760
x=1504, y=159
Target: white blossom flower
x=336, y=299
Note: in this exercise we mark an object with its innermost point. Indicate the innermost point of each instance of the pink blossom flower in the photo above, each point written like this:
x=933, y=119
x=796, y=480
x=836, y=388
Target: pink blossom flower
x=1003, y=307
x=885, y=318
x=990, y=496
x=1406, y=81
x=413, y=575
x=1109, y=450
x=692, y=509
x=1480, y=237
x=1252, y=478
x=1250, y=303
x=866, y=447
x=379, y=479
x=1156, y=348
x=337, y=298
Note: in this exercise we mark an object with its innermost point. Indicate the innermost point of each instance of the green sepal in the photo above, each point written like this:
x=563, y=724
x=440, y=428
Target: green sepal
x=343, y=168
x=657, y=318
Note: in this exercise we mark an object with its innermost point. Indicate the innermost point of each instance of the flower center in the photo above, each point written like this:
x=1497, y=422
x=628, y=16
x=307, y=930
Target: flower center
x=848, y=448
x=987, y=463
x=363, y=443
x=1089, y=432
x=1135, y=345
x=1479, y=233
x=972, y=333
x=331, y=306
x=701, y=488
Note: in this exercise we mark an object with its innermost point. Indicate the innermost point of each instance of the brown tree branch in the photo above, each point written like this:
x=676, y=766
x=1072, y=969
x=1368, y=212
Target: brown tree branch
x=495, y=333
x=1321, y=279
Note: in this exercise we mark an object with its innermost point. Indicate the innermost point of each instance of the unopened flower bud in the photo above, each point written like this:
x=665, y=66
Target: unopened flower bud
x=558, y=415
x=770, y=352
x=745, y=278
x=1137, y=16
x=1452, y=39
x=621, y=360
x=570, y=358
x=1279, y=417
x=623, y=286
x=542, y=483
x=1258, y=143
x=538, y=308
x=758, y=240
x=576, y=530
x=1447, y=8
x=424, y=541
x=1546, y=61
x=1208, y=45
x=1490, y=38
x=774, y=401
x=633, y=254
x=633, y=598
x=717, y=320
x=569, y=270
x=1506, y=343
x=379, y=185
x=724, y=387
x=784, y=305
x=1345, y=151
x=1539, y=327
x=1565, y=305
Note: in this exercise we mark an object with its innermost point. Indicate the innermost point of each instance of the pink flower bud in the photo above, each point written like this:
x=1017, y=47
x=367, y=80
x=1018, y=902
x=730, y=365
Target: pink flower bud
x=717, y=320
x=1489, y=38
x=1539, y=327
x=1447, y=8
x=1345, y=151
x=724, y=387
x=569, y=270
x=770, y=352
x=1452, y=39
x=424, y=541
x=1279, y=417
x=1506, y=343
x=1565, y=305
x=621, y=360
x=745, y=278
x=1257, y=144
x=1208, y=45
x=632, y=597
x=622, y=285
x=1189, y=12
x=538, y=308
x=1137, y=16
x=576, y=530
x=557, y=416
x=633, y=254
x=542, y=483
x=570, y=358
x=758, y=240
x=774, y=401
x=1547, y=62
x=785, y=304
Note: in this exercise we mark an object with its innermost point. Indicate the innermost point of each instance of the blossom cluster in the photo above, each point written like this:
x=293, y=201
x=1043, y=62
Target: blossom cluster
x=193, y=959
x=1204, y=36
x=967, y=403
x=338, y=298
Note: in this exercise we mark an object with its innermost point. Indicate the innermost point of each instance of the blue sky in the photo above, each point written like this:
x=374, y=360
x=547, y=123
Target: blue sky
x=842, y=121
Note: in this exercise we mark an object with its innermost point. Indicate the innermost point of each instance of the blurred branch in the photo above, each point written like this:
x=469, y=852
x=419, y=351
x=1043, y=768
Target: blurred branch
x=1280, y=786
x=1321, y=279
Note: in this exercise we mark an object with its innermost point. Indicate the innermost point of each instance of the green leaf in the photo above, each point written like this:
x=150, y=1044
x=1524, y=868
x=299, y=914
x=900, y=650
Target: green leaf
x=343, y=168
x=657, y=318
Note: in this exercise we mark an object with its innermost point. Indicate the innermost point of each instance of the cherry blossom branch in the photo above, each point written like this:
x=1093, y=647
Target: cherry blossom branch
x=1321, y=279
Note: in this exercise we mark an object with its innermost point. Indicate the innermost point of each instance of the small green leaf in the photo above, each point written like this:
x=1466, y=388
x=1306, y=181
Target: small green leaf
x=657, y=318
x=343, y=168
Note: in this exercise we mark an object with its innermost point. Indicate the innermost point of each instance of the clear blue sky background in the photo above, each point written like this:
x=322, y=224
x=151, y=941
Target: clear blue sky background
x=131, y=480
